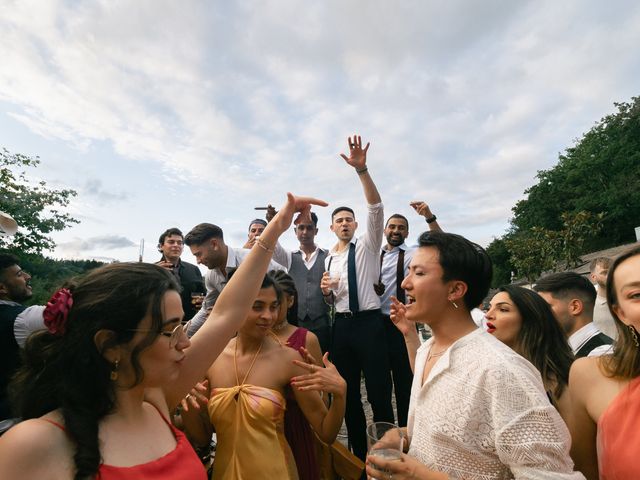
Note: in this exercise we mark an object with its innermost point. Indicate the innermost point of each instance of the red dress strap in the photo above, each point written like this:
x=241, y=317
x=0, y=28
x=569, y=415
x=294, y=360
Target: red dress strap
x=55, y=423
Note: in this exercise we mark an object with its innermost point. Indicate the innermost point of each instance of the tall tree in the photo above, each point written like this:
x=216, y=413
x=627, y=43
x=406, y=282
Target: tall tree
x=599, y=174
x=33, y=205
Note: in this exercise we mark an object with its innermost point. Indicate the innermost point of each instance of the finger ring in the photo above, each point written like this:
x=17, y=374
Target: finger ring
x=352, y=145
x=188, y=396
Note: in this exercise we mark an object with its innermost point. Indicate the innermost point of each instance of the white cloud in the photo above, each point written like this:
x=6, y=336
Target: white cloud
x=237, y=102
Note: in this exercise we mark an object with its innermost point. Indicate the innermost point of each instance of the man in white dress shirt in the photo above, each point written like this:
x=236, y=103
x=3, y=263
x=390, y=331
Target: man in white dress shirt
x=358, y=333
x=571, y=298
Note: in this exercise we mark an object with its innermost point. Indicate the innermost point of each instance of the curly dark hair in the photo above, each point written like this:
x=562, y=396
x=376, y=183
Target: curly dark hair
x=287, y=285
x=70, y=373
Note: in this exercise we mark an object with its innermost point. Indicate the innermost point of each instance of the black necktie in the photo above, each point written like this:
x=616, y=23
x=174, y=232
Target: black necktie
x=400, y=277
x=354, y=306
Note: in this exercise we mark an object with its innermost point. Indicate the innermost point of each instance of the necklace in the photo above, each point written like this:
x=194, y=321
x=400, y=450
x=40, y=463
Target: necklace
x=235, y=362
x=435, y=355
x=279, y=326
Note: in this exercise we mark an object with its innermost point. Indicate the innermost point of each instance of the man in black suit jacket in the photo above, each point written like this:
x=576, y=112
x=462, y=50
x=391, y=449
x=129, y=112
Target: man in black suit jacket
x=170, y=245
x=571, y=297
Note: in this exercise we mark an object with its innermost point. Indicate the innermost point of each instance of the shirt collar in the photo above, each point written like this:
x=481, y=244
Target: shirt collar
x=582, y=336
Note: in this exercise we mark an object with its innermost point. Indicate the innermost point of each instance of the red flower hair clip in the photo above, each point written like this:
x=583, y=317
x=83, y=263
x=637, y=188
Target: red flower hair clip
x=57, y=311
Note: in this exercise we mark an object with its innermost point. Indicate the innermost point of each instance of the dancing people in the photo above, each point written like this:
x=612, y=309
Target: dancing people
x=96, y=389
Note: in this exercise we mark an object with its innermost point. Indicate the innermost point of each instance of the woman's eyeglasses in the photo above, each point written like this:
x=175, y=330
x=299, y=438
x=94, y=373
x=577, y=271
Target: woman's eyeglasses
x=174, y=335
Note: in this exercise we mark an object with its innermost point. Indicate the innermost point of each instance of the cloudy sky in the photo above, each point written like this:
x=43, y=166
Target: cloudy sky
x=165, y=113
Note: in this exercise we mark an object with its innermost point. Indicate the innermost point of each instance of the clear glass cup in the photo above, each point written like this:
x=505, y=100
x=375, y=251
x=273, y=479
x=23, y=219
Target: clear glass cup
x=334, y=281
x=384, y=440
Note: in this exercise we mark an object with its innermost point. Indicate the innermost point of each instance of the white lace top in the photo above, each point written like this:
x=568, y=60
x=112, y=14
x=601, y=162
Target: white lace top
x=483, y=414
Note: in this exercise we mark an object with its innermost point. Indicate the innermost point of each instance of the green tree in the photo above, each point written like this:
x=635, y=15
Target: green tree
x=534, y=252
x=600, y=173
x=33, y=205
x=501, y=260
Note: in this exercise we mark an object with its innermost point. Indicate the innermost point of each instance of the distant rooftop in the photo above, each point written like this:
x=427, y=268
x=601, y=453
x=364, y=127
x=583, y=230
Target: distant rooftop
x=611, y=253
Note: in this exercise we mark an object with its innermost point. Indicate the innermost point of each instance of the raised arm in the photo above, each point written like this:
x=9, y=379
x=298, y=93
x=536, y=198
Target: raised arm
x=423, y=210
x=358, y=159
x=234, y=302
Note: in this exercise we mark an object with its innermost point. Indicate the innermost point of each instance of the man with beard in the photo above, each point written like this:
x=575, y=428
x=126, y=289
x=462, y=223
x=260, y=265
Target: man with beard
x=395, y=258
x=17, y=322
x=206, y=242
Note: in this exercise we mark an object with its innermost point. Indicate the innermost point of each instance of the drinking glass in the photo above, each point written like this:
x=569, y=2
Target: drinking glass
x=334, y=281
x=384, y=440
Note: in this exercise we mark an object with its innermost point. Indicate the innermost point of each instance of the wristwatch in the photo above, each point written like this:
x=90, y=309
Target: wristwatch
x=431, y=219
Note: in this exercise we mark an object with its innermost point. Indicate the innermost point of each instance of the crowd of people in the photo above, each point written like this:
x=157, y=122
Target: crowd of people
x=131, y=365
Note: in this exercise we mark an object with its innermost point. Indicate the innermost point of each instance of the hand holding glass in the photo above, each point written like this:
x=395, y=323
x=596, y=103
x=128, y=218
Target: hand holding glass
x=385, y=440
x=334, y=281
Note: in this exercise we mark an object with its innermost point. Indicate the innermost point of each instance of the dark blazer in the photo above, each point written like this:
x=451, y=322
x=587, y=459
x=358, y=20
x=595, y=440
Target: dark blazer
x=594, y=342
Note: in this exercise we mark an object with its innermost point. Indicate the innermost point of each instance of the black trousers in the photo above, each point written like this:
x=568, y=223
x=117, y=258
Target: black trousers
x=359, y=346
x=400, y=369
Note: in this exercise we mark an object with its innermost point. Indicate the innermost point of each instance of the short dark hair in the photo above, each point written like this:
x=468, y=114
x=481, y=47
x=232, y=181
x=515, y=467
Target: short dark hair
x=462, y=260
x=568, y=284
x=168, y=232
x=397, y=215
x=259, y=221
x=314, y=219
x=604, y=261
x=342, y=209
x=7, y=260
x=201, y=233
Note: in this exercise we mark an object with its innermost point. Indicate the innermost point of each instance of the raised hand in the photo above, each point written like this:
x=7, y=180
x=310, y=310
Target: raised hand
x=301, y=205
x=357, y=155
x=421, y=209
x=397, y=311
x=321, y=379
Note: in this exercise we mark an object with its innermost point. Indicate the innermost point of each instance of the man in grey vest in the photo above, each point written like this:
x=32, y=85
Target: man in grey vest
x=306, y=266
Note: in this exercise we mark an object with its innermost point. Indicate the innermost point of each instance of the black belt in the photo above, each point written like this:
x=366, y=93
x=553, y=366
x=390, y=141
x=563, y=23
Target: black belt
x=357, y=314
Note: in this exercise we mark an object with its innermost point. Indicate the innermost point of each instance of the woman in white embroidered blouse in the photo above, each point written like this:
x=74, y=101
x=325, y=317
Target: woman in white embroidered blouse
x=478, y=410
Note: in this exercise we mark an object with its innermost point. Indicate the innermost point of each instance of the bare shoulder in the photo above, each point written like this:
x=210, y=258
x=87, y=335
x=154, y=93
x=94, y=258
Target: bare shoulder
x=35, y=438
x=585, y=372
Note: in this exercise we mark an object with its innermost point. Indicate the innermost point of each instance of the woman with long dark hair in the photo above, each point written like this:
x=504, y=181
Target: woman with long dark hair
x=523, y=320
x=97, y=387
x=605, y=391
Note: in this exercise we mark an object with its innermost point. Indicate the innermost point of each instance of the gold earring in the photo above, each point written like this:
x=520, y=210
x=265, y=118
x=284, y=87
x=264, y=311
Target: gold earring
x=453, y=303
x=114, y=371
x=634, y=335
